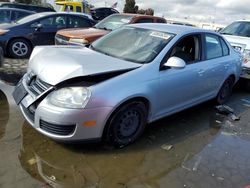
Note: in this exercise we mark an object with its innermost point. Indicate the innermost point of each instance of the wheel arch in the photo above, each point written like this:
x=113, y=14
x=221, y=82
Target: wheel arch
x=142, y=99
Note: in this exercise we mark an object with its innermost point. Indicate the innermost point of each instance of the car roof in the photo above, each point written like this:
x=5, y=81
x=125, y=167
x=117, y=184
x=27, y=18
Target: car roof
x=171, y=28
x=66, y=13
x=17, y=9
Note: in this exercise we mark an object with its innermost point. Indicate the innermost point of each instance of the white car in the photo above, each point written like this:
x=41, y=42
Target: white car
x=238, y=35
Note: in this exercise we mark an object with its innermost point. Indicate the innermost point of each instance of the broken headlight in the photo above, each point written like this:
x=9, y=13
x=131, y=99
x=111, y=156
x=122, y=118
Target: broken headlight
x=246, y=56
x=70, y=97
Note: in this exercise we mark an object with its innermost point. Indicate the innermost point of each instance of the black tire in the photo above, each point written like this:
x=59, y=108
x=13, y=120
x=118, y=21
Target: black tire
x=127, y=124
x=225, y=91
x=19, y=48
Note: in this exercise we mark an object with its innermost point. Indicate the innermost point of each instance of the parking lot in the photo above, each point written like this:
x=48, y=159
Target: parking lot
x=198, y=147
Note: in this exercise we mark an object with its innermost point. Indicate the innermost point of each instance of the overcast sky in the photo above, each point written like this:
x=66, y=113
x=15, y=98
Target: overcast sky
x=218, y=11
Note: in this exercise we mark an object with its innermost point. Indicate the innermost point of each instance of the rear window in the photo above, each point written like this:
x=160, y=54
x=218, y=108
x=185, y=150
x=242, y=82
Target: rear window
x=114, y=21
x=145, y=20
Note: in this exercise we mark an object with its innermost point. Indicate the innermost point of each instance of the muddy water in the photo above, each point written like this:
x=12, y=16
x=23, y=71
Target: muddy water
x=194, y=148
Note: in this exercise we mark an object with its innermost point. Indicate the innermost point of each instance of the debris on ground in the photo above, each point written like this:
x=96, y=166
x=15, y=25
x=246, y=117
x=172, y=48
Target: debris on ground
x=223, y=109
x=234, y=117
x=32, y=161
x=220, y=178
x=226, y=110
x=167, y=147
x=246, y=101
x=191, y=162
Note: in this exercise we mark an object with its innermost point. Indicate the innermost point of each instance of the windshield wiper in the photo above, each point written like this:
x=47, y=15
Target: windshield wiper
x=225, y=33
x=105, y=28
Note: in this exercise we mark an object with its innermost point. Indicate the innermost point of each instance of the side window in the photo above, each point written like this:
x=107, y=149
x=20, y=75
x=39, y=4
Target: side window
x=74, y=21
x=5, y=16
x=145, y=20
x=213, y=47
x=60, y=21
x=78, y=9
x=224, y=47
x=188, y=49
x=54, y=22
x=18, y=15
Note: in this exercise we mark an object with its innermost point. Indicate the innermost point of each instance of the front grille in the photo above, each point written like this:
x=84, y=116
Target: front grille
x=62, y=130
x=37, y=86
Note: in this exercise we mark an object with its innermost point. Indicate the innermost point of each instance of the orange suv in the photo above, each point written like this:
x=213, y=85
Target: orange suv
x=85, y=36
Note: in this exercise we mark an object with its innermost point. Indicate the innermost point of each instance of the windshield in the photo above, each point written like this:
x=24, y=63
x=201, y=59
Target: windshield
x=237, y=28
x=133, y=44
x=114, y=21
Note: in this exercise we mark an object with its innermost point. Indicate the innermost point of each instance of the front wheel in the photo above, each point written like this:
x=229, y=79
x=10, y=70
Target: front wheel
x=225, y=91
x=19, y=48
x=127, y=124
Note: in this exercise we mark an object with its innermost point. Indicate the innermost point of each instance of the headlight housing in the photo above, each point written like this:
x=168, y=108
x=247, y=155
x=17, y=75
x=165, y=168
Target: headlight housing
x=70, y=97
x=3, y=31
x=79, y=40
x=246, y=56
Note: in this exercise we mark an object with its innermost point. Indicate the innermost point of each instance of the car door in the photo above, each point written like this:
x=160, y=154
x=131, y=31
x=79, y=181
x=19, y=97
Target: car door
x=181, y=88
x=44, y=30
x=216, y=63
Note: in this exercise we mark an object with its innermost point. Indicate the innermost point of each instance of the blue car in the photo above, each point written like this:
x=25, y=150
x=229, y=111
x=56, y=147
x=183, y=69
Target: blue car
x=18, y=39
x=8, y=15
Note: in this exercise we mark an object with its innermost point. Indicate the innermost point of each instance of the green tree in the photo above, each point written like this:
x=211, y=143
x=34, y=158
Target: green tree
x=150, y=11
x=141, y=11
x=130, y=7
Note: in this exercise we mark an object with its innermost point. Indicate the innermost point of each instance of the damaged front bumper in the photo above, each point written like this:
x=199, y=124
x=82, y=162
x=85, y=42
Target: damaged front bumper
x=58, y=123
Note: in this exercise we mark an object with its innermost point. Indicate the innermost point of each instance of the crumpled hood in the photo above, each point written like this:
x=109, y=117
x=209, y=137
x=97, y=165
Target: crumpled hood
x=54, y=64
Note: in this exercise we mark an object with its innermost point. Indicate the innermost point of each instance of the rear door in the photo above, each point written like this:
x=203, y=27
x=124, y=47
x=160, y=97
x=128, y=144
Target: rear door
x=216, y=63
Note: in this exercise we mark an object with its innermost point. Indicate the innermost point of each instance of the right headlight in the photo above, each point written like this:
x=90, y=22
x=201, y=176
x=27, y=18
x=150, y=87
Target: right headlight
x=79, y=40
x=70, y=97
x=246, y=56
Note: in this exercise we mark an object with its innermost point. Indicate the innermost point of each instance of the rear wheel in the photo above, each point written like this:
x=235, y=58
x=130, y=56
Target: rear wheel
x=225, y=91
x=19, y=48
x=127, y=124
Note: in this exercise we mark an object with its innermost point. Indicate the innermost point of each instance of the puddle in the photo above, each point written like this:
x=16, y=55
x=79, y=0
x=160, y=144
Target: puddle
x=200, y=150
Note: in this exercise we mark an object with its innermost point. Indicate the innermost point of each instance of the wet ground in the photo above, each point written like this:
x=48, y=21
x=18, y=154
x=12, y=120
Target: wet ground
x=196, y=148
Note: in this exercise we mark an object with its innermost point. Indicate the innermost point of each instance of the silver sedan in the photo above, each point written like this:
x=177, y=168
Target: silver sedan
x=131, y=77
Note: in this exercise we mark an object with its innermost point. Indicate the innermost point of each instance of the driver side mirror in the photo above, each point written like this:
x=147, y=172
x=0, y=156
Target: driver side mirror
x=175, y=62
